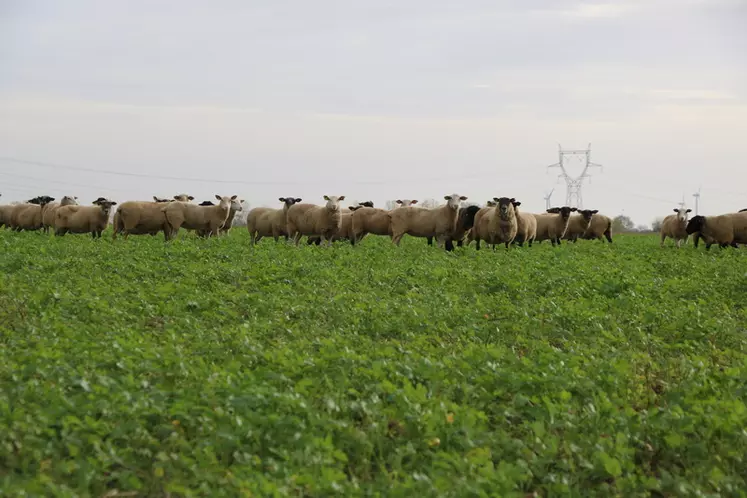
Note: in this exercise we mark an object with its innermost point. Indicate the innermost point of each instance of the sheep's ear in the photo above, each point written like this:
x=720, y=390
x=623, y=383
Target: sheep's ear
x=281, y=199
x=413, y=201
x=517, y=204
x=463, y=198
x=513, y=201
x=191, y=198
x=341, y=198
x=326, y=197
x=447, y=197
x=398, y=201
x=218, y=197
x=155, y=199
x=353, y=208
x=234, y=197
x=113, y=203
x=689, y=210
x=298, y=199
x=495, y=199
x=595, y=211
x=676, y=210
x=76, y=197
x=573, y=210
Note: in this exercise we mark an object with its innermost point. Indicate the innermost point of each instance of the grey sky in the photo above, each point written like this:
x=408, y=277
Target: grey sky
x=376, y=99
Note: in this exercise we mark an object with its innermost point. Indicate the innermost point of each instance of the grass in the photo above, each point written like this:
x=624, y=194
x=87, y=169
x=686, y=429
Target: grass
x=208, y=368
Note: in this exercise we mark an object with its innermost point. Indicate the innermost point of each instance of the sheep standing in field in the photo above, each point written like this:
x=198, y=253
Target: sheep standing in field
x=140, y=218
x=724, y=230
x=526, y=227
x=599, y=227
x=497, y=224
x=553, y=224
x=83, y=219
x=49, y=214
x=192, y=217
x=578, y=224
x=674, y=226
x=28, y=216
x=346, y=227
x=223, y=230
x=464, y=224
x=375, y=221
x=5, y=215
x=310, y=220
x=438, y=223
x=268, y=222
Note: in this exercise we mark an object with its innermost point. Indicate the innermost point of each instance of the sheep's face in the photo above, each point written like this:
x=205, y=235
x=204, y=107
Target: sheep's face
x=183, y=198
x=505, y=207
x=565, y=212
x=405, y=203
x=225, y=201
x=333, y=202
x=696, y=224
x=289, y=201
x=43, y=200
x=367, y=204
x=682, y=214
x=105, y=204
x=586, y=215
x=454, y=201
x=69, y=200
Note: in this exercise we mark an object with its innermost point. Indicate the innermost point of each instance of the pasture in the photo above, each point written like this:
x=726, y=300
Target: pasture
x=206, y=367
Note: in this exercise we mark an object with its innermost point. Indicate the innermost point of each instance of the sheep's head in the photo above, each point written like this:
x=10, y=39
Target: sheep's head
x=69, y=200
x=516, y=205
x=43, y=200
x=333, y=202
x=505, y=206
x=367, y=204
x=587, y=214
x=161, y=200
x=682, y=214
x=225, y=201
x=564, y=212
x=696, y=224
x=467, y=216
x=490, y=204
x=289, y=201
x=206, y=203
x=406, y=202
x=105, y=204
x=354, y=208
x=454, y=201
x=183, y=198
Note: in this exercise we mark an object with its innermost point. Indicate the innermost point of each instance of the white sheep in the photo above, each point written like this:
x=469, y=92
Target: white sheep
x=674, y=226
x=439, y=223
x=311, y=220
x=83, y=219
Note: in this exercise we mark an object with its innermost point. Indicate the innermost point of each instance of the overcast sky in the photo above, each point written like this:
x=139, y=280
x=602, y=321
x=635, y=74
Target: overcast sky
x=376, y=99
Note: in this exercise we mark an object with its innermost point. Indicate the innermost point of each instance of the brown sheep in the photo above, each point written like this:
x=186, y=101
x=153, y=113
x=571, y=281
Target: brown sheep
x=29, y=216
x=674, y=226
x=526, y=230
x=192, y=217
x=439, y=223
x=223, y=230
x=553, y=224
x=5, y=212
x=268, y=222
x=600, y=227
x=310, y=220
x=725, y=230
x=578, y=223
x=140, y=218
x=346, y=226
x=49, y=213
x=83, y=219
x=496, y=224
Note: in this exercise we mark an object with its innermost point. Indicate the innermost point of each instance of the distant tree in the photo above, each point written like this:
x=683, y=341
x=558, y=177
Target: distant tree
x=622, y=223
x=656, y=224
x=429, y=203
x=642, y=228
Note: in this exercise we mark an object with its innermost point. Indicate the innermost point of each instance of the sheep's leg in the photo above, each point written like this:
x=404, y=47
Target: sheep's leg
x=430, y=241
x=608, y=234
x=477, y=246
x=297, y=238
x=460, y=243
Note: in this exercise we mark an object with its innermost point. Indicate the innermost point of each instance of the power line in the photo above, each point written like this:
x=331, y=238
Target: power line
x=245, y=182
x=14, y=175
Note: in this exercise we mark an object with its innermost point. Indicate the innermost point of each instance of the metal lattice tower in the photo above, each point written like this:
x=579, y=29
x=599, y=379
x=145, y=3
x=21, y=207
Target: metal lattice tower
x=574, y=196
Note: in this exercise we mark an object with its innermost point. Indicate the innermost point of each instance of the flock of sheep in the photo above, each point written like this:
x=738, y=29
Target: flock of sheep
x=499, y=222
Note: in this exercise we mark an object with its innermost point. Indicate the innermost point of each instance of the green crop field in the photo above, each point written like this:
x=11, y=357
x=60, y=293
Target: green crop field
x=210, y=368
